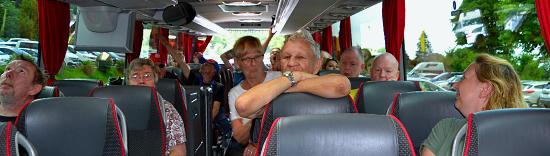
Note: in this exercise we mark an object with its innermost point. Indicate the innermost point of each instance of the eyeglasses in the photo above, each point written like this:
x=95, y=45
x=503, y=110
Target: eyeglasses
x=147, y=76
x=249, y=60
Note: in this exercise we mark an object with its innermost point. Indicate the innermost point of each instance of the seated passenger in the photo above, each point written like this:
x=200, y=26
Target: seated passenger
x=301, y=60
x=19, y=83
x=488, y=83
x=330, y=64
x=384, y=68
x=143, y=72
x=352, y=62
x=248, y=54
x=275, y=59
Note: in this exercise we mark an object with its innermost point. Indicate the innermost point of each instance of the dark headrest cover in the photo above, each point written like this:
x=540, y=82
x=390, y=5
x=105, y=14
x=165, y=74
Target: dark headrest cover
x=376, y=97
x=138, y=103
x=77, y=87
x=291, y=104
x=356, y=81
x=325, y=72
x=48, y=91
x=337, y=134
x=64, y=126
x=509, y=132
x=421, y=111
x=7, y=139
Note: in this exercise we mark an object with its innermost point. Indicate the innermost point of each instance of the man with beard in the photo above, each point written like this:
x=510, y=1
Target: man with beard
x=19, y=83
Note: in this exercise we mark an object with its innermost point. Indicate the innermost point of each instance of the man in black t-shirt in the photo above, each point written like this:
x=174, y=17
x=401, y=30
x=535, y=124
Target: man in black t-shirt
x=19, y=83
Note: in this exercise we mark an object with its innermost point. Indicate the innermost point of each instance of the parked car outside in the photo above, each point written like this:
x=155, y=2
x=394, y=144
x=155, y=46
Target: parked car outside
x=532, y=91
x=544, y=100
x=427, y=85
x=17, y=39
x=10, y=44
x=448, y=84
x=445, y=76
x=71, y=59
x=33, y=52
x=13, y=50
x=4, y=58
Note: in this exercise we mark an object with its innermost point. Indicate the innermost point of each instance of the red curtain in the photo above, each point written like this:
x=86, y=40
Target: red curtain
x=326, y=43
x=345, y=34
x=201, y=45
x=316, y=37
x=53, y=18
x=393, y=14
x=162, y=54
x=138, y=38
x=543, y=12
x=187, y=45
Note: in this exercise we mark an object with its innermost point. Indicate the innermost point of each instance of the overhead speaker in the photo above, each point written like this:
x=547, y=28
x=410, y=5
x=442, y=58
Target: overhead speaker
x=179, y=14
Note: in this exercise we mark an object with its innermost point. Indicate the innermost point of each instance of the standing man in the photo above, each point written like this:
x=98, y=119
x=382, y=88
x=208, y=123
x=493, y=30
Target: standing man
x=20, y=82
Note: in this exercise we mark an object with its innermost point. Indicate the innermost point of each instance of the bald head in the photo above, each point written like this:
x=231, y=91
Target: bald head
x=385, y=68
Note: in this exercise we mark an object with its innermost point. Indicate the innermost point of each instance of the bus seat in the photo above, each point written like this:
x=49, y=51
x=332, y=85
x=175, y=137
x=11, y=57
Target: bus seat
x=10, y=139
x=49, y=91
x=338, y=134
x=506, y=132
x=70, y=125
x=325, y=72
x=356, y=81
x=291, y=104
x=171, y=90
x=77, y=87
x=376, y=97
x=175, y=71
x=144, y=115
x=196, y=125
x=421, y=111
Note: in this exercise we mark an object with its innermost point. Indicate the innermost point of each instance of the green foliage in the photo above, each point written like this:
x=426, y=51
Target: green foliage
x=459, y=59
x=28, y=23
x=79, y=72
x=11, y=23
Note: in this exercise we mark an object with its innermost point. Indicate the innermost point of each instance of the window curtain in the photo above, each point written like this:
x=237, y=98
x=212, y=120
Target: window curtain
x=326, y=43
x=185, y=42
x=393, y=14
x=53, y=18
x=316, y=37
x=543, y=12
x=162, y=54
x=138, y=38
x=201, y=45
x=345, y=34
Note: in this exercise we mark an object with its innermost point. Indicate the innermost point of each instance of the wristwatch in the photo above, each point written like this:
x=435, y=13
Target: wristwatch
x=290, y=77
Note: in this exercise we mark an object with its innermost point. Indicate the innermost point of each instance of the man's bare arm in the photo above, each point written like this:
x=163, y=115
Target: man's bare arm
x=250, y=103
x=178, y=57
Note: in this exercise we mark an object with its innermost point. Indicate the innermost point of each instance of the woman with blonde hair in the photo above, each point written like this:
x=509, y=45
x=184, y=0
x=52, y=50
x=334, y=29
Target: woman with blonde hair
x=489, y=83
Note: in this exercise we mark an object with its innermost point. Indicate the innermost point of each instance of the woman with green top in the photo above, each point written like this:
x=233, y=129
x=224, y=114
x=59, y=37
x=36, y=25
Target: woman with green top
x=489, y=83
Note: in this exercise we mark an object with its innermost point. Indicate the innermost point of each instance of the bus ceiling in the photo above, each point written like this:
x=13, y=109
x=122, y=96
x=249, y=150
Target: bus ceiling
x=216, y=17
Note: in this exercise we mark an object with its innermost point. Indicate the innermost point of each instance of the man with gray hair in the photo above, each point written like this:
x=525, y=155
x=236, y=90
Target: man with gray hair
x=300, y=61
x=352, y=62
x=385, y=68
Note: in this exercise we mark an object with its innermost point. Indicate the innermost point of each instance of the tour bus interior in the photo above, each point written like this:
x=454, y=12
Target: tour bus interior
x=376, y=118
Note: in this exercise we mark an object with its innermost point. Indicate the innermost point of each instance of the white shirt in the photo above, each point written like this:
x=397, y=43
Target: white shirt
x=238, y=90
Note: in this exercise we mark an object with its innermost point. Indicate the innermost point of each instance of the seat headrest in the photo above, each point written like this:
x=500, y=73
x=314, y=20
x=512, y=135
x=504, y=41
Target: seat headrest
x=7, y=139
x=376, y=97
x=338, y=134
x=48, y=91
x=411, y=109
x=69, y=125
x=290, y=104
x=172, y=91
x=77, y=87
x=509, y=132
x=325, y=72
x=356, y=81
x=138, y=103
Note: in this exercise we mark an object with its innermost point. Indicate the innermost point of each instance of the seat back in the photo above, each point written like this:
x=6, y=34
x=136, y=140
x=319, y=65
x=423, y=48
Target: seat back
x=172, y=91
x=144, y=116
x=507, y=132
x=175, y=71
x=69, y=125
x=376, y=97
x=338, y=134
x=77, y=87
x=195, y=124
x=357, y=81
x=48, y=91
x=291, y=104
x=421, y=111
x=325, y=72
x=10, y=139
